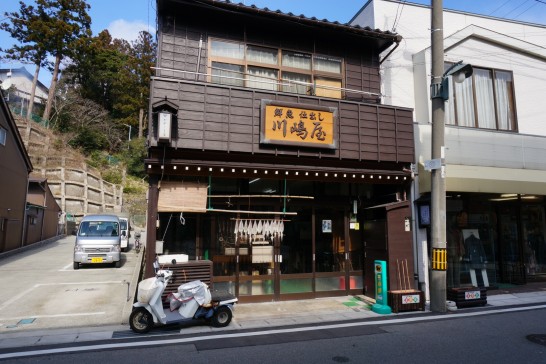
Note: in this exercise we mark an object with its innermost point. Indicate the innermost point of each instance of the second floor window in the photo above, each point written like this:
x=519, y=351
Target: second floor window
x=273, y=69
x=485, y=100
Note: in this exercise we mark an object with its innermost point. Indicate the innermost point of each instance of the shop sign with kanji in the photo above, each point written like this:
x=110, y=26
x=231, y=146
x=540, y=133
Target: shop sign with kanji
x=298, y=124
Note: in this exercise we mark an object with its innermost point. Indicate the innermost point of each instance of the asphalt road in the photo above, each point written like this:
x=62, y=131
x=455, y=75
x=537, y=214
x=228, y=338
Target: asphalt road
x=480, y=337
x=41, y=290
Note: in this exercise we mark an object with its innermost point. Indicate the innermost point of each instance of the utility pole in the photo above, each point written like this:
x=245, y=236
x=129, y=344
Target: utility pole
x=438, y=187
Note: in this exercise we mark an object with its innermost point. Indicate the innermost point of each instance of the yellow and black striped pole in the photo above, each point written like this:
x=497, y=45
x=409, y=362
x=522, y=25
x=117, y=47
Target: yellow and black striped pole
x=439, y=259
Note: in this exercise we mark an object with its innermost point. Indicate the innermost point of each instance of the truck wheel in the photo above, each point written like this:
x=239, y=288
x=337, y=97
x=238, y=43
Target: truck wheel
x=141, y=320
x=222, y=317
x=118, y=264
x=76, y=265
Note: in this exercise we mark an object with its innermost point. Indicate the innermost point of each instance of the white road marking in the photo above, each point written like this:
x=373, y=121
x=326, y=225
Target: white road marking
x=49, y=316
x=140, y=344
x=15, y=298
x=26, y=292
x=65, y=268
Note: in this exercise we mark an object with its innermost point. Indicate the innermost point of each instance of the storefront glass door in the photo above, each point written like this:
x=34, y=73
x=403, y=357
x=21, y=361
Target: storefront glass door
x=330, y=257
x=534, y=232
x=296, y=254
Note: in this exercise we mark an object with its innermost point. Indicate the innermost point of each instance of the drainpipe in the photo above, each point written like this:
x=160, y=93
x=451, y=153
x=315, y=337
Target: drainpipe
x=24, y=233
x=199, y=56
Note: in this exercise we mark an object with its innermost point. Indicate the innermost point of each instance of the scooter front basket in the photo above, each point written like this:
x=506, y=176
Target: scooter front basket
x=146, y=289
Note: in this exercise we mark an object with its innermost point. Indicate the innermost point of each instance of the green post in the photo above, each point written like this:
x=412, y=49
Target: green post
x=381, y=305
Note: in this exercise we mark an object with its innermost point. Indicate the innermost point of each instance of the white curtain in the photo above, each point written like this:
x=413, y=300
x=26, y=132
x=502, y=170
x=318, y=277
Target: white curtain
x=227, y=49
x=262, y=55
x=262, y=78
x=327, y=64
x=449, y=115
x=464, y=102
x=505, y=111
x=485, y=99
x=303, y=85
x=227, y=74
x=296, y=60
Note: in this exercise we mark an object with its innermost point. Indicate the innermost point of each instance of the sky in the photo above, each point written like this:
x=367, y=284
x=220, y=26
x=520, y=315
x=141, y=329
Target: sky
x=126, y=18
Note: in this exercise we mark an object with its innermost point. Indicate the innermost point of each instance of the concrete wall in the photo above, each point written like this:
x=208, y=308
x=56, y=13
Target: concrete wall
x=78, y=188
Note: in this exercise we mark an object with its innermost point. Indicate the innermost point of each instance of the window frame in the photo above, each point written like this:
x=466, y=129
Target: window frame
x=455, y=97
x=279, y=68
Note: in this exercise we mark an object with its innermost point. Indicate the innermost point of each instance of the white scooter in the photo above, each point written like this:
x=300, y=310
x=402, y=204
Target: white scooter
x=192, y=301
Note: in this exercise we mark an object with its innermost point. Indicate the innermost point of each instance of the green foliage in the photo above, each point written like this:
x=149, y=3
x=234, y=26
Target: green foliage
x=113, y=175
x=133, y=157
x=88, y=140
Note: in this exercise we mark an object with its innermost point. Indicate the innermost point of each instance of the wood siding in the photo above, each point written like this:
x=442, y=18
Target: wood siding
x=220, y=118
x=216, y=118
x=15, y=166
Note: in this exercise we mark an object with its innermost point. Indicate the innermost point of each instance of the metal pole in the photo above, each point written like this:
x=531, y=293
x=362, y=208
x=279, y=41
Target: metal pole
x=438, y=188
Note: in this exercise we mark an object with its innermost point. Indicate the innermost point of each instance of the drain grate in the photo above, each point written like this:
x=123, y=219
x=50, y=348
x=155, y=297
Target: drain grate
x=537, y=339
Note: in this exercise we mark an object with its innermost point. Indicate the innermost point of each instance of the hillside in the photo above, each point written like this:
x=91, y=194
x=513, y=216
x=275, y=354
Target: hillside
x=77, y=185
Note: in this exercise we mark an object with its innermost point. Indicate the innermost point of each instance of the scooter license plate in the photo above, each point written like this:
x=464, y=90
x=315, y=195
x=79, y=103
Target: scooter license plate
x=96, y=260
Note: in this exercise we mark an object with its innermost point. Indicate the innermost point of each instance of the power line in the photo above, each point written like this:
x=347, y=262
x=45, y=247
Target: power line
x=507, y=1
x=532, y=5
x=517, y=7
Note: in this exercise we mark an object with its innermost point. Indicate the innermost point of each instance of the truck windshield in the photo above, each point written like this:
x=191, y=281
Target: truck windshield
x=99, y=228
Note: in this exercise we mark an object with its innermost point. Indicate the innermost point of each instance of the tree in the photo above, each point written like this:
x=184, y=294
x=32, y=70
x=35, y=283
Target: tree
x=144, y=55
x=115, y=74
x=26, y=27
x=65, y=22
x=85, y=124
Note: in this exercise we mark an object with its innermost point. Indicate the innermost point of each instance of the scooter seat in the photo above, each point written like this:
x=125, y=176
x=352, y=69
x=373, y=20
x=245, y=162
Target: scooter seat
x=221, y=296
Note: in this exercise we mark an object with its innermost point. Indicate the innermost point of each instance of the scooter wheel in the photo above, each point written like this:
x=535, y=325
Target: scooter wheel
x=222, y=316
x=141, y=320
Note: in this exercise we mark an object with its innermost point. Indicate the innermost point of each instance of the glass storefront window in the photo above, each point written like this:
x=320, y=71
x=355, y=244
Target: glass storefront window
x=471, y=244
x=313, y=253
x=495, y=240
x=296, y=285
x=534, y=231
x=329, y=283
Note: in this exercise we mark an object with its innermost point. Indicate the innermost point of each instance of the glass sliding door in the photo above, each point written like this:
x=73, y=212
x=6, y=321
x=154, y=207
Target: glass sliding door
x=296, y=254
x=330, y=257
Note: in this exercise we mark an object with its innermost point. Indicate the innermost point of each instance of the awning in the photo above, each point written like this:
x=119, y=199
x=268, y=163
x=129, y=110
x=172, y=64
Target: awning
x=461, y=178
x=177, y=196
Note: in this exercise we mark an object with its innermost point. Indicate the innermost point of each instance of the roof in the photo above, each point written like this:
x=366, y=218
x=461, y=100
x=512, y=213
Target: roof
x=100, y=217
x=22, y=71
x=386, y=38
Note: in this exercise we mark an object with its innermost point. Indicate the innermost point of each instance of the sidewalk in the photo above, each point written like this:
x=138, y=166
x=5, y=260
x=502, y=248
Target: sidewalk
x=270, y=315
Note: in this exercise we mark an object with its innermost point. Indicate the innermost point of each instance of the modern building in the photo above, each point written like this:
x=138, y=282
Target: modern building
x=495, y=139
x=271, y=154
x=17, y=86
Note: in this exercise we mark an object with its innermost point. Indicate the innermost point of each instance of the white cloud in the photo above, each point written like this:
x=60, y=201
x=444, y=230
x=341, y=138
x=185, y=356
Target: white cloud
x=123, y=29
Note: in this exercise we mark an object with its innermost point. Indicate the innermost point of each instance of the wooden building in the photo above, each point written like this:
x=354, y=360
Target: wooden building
x=15, y=166
x=270, y=152
x=43, y=212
